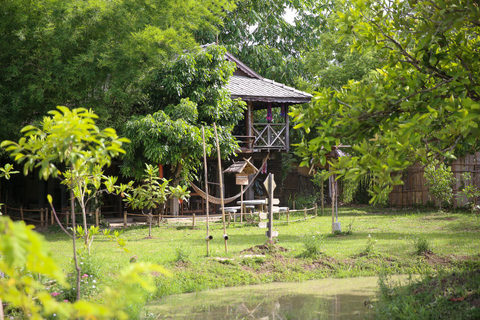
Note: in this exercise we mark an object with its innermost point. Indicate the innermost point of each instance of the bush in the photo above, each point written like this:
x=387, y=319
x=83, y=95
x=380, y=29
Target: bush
x=312, y=245
x=422, y=245
x=439, y=181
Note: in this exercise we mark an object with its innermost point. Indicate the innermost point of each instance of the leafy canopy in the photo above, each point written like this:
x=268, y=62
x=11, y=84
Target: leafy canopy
x=187, y=94
x=258, y=33
x=93, y=53
x=424, y=102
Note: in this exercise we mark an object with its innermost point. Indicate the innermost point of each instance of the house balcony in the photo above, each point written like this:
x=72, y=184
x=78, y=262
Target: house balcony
x=265, y=137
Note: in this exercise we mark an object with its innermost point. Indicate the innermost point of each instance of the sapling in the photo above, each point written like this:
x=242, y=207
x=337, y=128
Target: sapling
x=439, y=181
x=151, y=193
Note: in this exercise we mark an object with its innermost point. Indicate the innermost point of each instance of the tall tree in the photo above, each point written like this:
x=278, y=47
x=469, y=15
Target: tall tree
x=259, y=33
x=424, y=103
x=187, y=94
x=93, y=54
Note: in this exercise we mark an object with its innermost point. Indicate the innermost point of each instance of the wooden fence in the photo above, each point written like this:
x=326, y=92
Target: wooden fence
x=36, y=216
x=415, y=192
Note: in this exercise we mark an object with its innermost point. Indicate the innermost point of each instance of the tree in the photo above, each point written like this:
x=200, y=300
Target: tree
x=70, y=139
x=151, y=193
x=334, y=63
x=94, y=54
x=423, y=103
x=258, y=33
x=187, y=94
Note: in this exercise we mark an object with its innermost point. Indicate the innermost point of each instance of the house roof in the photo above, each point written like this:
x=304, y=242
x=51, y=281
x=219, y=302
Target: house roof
x=265, y=90
x=250, y=86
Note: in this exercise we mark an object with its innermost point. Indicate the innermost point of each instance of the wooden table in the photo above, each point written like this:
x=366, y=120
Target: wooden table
x=258, y=203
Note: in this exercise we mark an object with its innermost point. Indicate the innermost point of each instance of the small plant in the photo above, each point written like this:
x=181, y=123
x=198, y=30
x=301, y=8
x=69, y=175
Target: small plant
x=313, y=246
x=469, y=190
x=370, y=247
x=422, y=245
x=182, y=255
x=350, y=226
x=270, y=245
x=439, y=182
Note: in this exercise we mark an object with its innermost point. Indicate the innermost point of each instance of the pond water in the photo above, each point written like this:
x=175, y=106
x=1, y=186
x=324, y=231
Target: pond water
x=317, y=299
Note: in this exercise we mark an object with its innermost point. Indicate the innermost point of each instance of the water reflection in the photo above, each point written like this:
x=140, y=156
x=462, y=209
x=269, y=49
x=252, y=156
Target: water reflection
x=319, y=299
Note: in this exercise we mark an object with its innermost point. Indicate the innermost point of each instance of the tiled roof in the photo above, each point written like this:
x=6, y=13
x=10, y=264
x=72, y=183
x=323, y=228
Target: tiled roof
x=261, y=89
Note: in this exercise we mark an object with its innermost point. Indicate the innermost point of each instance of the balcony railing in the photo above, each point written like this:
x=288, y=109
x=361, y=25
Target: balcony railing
x=265, y=136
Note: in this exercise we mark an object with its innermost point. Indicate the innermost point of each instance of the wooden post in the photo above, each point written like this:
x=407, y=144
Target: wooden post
x=293, y=204
x=316, y=209
x=68, y=218
x=225, y=237
x=97, y=222
x=21, y=212
x=206, y=191
x=304, y=213
x=288, y=215
x=322, y=197
x=42, y=217
x=241, y=203
x=332, y=186
x=51, y=217
x=193, y=221
x=125, y=218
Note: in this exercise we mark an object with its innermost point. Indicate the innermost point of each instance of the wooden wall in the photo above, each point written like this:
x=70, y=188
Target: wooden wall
x=414, y=190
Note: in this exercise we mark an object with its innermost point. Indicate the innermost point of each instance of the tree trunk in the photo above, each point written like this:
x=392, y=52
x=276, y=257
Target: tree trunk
x=77, y=267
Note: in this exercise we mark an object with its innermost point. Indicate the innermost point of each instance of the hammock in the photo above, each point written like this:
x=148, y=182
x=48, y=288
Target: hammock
x=216, y=200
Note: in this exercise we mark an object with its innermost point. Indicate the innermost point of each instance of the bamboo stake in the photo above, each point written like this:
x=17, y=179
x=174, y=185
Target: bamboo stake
x=42, y=217
x=193, y=221
x=21, y=212
x=97, y=223
x=322, y=197
x=288, y=215
x=316, y=209
x=208, y=238
x=225, y=237
x=51, y=217
x=125, y=218
x=333, y=203
x=304, y=213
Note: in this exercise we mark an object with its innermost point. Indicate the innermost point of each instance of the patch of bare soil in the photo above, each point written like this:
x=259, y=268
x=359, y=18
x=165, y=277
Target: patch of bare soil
x=323, y=262
x=435, y=260
x=264, y=249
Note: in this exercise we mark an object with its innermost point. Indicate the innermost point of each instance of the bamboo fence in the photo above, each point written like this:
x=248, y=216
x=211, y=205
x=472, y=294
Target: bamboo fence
x=414, y=191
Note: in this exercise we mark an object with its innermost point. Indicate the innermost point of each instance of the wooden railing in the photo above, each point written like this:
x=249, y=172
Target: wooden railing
x=270, y=136
x=265, y=136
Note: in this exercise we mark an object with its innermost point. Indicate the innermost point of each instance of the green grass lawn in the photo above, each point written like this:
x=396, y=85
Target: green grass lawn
x=453, y=239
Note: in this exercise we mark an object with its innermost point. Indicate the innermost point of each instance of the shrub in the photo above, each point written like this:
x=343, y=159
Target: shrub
x=422, y=245
x=312, y=245
x=439, y=181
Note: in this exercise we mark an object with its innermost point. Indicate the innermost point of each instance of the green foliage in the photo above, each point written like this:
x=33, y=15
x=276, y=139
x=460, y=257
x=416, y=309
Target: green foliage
x=422, y=103
x=439, y=181
x=448, y=295
x=188, y=93
x=69, y=139
x=152, y=192
x=370, y=247
x=313, y=246
x=259, y=35
x=422, y=245
x=334, y=62
x=94, y=53
x=469, y=190
x=26, y=259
